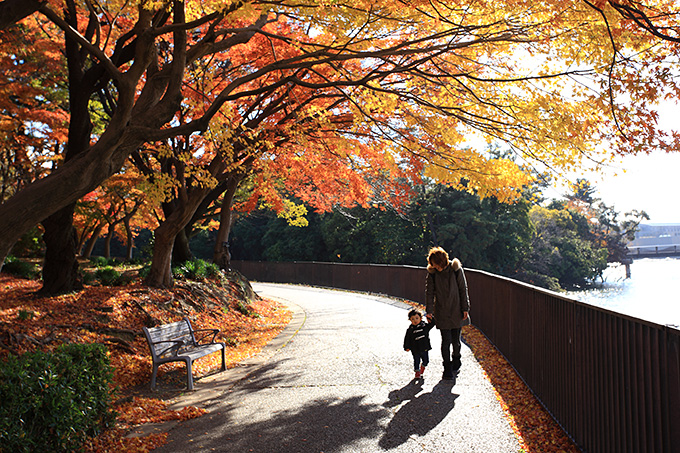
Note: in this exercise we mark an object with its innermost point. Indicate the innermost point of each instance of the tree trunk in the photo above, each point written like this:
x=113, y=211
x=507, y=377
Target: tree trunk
x=181, y=251
x=60, y=276
x=160, y=274
x=107, y=243
x=130, y=243
x=221, y=255
x=60, y=268
x=93, y=240
x=82, y=238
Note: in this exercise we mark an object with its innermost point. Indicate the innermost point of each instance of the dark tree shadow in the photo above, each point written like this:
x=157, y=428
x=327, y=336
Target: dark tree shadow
x=420, y=414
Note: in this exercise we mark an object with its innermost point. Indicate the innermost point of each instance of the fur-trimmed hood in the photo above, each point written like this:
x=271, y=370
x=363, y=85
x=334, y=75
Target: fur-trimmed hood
x=455, y=264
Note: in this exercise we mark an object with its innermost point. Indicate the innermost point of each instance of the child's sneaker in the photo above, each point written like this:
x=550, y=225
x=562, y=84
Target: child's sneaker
x=418, y=374
x=422, y=370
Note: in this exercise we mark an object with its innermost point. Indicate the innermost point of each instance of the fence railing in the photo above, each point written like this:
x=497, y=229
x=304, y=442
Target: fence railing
x=642, y=251
x=611, y=381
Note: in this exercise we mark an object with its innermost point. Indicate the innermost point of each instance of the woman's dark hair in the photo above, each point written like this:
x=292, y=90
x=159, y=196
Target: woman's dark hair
x=438, y=256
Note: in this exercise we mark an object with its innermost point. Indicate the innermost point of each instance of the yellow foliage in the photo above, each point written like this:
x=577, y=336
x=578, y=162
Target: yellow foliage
x=161, y=189
x=294, y=214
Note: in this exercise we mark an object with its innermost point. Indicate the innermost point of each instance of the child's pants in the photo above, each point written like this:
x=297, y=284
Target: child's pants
x=417, y=357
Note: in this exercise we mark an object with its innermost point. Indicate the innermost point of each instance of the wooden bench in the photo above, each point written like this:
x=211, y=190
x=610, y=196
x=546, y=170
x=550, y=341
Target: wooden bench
x=177, y=342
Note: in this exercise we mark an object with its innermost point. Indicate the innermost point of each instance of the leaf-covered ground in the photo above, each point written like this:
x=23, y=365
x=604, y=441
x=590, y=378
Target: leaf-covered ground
x=115, y=315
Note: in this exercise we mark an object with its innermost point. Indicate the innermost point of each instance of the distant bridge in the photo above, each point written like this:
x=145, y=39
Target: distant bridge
x=647, y=251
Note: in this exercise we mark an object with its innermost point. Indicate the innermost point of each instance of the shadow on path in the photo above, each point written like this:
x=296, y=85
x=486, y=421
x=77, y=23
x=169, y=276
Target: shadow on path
x=322, y=424
x=421, y=413
x=319, y=424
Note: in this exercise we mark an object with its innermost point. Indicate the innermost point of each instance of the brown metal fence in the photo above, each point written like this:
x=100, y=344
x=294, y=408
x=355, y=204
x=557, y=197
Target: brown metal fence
x=611, y=381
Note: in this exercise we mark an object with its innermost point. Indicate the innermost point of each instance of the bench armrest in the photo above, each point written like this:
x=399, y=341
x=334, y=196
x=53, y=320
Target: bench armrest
x=205, y=333
x=173, y=348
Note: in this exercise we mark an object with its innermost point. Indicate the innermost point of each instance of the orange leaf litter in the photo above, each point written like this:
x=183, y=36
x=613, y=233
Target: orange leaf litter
x=87, y=316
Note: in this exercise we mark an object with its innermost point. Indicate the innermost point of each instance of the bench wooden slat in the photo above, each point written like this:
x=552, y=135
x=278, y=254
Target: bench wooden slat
x=176, y=342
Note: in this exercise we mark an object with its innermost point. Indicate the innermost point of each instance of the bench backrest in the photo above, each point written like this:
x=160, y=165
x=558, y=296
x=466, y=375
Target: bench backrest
x=180, y=330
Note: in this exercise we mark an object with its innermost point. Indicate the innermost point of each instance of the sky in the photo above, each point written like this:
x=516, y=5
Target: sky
x=650, y=183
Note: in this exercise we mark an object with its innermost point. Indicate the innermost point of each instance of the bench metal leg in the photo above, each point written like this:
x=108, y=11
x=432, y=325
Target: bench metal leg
x=153, y=376
x=224, y=358
x=190, y=377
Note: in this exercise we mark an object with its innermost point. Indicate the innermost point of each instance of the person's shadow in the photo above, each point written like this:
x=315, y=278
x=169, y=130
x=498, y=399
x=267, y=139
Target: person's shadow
x=419, y=415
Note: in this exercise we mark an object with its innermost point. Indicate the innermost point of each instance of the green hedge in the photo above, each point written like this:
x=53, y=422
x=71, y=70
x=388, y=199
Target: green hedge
x=52, y=401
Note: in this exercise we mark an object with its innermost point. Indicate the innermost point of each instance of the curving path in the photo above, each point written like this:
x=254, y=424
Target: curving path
x=337, y=380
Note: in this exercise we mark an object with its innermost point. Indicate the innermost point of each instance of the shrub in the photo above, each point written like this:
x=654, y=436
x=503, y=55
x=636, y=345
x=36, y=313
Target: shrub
x=212, y=270
x=88, y=278
x=25, y=315
x=178, y=272
x=196, y=269
x=108, y=276
x=144, y=271
x=30, y=245
x=52, y=401
x=100, y=261
x=20, y=268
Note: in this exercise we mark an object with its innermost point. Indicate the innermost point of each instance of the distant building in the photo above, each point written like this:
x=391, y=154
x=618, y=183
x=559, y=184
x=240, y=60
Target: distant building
x=656, y=234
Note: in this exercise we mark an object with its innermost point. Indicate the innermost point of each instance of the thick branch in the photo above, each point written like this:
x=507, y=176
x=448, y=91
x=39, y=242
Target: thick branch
x=12, y=11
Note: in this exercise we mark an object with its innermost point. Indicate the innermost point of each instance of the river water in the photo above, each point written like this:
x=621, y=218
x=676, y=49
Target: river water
x=652, y=293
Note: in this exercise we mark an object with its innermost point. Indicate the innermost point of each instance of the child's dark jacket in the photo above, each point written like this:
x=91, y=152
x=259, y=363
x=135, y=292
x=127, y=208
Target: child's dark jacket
x=417, y=337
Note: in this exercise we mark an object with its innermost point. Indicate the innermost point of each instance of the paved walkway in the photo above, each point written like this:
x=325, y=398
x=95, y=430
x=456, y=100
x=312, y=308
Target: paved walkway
x=337, y=380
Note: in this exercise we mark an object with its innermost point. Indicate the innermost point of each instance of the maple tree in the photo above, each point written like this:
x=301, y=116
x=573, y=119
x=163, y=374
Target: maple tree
x=403, y=86
x=33, y=114
x=121, y=200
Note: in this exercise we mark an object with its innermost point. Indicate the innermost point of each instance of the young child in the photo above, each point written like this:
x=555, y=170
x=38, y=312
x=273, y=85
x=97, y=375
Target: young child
x=417, y=340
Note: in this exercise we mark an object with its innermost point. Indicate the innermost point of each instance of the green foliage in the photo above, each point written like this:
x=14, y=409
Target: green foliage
x=20, y=268
x=372, y=236
x=25, y=315
x=52, y=401
x=30, y=245
x=100, y=261
x=555, y=247
x=264, y=236
x=196, y=269
x=144, y=271
x=483, y=234
x=202, y=244
x=563, y=248
x=538, y=279
x=109, y=276
x=88, y=278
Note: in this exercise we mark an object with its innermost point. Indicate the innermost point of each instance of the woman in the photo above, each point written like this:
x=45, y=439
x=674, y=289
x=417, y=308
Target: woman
x=447, y=302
